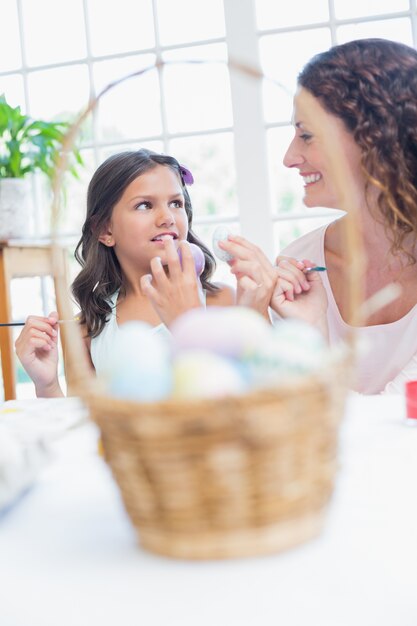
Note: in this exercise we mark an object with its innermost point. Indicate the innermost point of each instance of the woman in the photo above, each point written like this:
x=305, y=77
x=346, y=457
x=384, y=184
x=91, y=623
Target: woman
x=367, y=90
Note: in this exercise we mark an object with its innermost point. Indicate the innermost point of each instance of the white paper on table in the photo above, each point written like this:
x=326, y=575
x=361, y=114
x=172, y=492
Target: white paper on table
x=27, y=429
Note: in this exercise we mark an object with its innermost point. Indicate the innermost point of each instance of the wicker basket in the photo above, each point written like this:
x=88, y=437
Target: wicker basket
x=221, y=478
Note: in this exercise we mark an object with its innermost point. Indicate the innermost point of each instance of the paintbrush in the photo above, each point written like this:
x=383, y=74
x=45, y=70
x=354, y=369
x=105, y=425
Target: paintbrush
x=317, y=268
x=75, y=319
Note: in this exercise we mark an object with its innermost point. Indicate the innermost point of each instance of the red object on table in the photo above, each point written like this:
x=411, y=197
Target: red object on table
x=411, y=399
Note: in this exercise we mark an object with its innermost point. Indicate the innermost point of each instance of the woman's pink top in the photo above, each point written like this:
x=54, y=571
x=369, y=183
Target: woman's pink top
x=388, y=352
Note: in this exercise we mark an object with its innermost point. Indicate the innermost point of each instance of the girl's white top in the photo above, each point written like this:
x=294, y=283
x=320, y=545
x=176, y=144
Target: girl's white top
x=388, y=352
x=102, y=347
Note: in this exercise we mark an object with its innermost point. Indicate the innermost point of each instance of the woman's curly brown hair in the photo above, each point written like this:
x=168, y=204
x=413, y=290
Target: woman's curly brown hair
x=371, y=84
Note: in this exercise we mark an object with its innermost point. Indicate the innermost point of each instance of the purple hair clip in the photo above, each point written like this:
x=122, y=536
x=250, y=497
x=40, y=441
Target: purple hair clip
x=186, y=175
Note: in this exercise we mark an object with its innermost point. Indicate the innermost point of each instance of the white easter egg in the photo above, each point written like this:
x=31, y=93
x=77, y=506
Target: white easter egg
x=295, y=348
x=228, y=331
x=221, y=234
x=140, y=367
x=202, y=374
x=302, y=345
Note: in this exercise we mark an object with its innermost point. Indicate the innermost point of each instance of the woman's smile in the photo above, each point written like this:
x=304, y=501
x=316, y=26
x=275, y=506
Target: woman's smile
x=310, y=178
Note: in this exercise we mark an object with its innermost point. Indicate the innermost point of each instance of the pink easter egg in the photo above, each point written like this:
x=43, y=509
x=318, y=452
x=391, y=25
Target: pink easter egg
x=198, y=255
x=229, y=331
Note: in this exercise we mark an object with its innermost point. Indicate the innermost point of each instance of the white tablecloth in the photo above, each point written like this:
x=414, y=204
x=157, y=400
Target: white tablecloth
x=69, y=557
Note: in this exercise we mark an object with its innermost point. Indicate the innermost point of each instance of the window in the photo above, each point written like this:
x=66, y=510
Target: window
x=287, y=39
x=229, y=129
x=203, y=113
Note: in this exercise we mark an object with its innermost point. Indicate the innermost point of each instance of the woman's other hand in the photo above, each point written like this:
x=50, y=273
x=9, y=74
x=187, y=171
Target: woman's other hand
x=256, y=276
x=37, y=350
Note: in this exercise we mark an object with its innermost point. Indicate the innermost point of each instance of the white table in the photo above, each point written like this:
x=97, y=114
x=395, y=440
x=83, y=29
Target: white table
x=68, y=554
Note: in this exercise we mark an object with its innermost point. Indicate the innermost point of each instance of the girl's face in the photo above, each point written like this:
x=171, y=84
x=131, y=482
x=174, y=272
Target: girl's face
x=307, y=153
x=151, y=210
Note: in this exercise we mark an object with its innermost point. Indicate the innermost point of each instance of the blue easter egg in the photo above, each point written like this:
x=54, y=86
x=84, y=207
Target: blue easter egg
x=140, y=368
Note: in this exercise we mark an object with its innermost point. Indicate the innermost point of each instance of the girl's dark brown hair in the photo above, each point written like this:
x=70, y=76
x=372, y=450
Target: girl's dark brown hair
x=101, y=274
x=371, y=84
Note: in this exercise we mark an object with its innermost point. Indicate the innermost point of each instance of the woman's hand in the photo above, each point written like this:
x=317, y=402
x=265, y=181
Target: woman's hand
x=256, y=276
x=176, y=291
x=300, y=295
x=37, y=349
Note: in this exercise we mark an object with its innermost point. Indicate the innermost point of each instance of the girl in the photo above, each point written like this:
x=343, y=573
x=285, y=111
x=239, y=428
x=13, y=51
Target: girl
x=138, y=215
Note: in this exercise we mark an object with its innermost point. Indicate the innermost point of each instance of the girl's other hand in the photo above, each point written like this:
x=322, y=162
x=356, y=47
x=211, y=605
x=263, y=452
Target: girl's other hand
x=37, y=350
x=177, y=290
x=256, y=276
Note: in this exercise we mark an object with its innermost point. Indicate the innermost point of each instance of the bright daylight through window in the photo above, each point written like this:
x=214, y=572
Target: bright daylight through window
x=230, y=130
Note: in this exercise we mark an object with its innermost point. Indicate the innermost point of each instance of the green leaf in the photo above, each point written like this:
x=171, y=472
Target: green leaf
x=15, y=163
x=29, y=145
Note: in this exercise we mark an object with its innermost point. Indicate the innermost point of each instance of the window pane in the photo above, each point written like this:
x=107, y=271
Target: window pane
x=10, y=57
x=286, y=183
x=397, y=30
x=104, y=153
x=273, y=15
x=74, y=210
x=26, y=297
x=54, y=31
x=287, y=231
x=132, y=109
x=12, y=86
x=211, y=160
x=197, y=95
x=58, y=92
x=359, y=8
x=284, y=66
x=183, y=21
x=124, y=27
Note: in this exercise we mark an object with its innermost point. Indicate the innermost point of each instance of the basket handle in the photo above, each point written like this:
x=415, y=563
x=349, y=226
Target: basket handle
x=78, y=370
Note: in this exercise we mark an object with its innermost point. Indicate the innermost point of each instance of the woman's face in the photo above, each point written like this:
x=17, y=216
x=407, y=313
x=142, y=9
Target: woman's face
x=150, y=211
x=309, y=151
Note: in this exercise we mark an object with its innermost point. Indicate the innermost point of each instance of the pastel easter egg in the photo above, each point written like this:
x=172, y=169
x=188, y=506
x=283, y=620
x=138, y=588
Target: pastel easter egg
x=198, y=256
x=227, y=331
x=295, y=348
x=202, y=374
x=301, y=344
x=221, y=234
x=140, y=367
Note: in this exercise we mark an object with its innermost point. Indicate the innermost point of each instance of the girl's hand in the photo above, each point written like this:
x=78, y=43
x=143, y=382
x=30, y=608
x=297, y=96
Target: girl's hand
x=177, y=291
x=37, y=349
x=256, y=276
x=299, y=295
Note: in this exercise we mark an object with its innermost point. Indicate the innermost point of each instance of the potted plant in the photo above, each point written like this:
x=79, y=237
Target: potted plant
x=27, y=146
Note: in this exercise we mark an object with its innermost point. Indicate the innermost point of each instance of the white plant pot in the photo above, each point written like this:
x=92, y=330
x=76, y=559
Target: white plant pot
x=15, y=208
